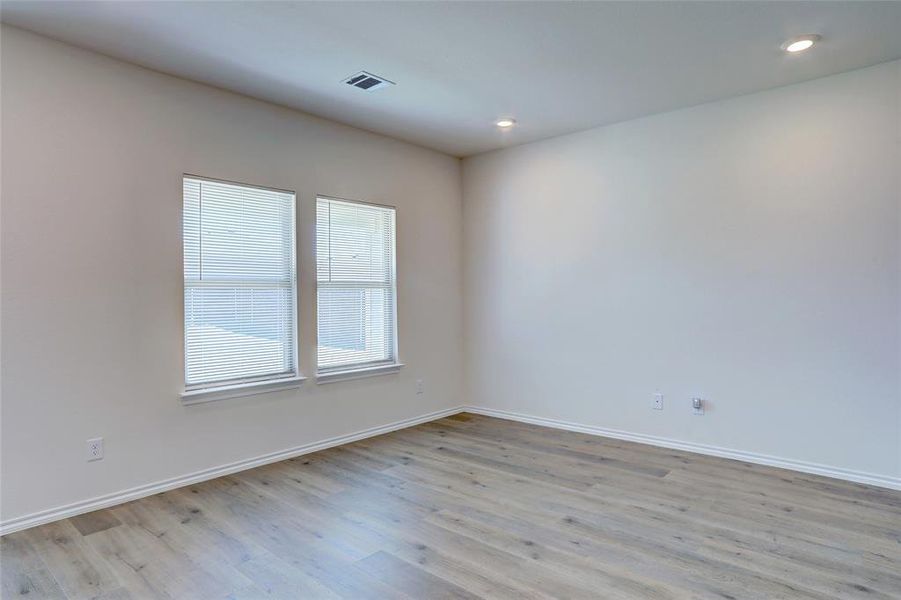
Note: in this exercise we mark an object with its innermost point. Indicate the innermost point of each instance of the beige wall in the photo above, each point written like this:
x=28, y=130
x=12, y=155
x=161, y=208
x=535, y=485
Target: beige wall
x=746, y=251
x=93, y=153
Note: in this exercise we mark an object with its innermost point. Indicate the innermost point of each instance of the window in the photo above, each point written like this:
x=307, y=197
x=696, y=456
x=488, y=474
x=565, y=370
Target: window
x=356, y=283
x=240, y=285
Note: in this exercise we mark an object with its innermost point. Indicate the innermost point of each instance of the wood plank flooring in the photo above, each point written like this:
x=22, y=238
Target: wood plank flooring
x=475, y=507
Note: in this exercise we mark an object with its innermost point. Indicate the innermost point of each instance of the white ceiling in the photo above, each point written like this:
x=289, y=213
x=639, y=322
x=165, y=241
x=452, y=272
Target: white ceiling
x=556, y=67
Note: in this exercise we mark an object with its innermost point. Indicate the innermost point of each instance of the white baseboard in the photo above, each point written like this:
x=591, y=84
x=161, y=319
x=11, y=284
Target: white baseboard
x=107, y=500
x=893, y=483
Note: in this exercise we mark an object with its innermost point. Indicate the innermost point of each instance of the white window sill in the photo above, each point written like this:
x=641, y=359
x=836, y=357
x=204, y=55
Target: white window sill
x=348, y=374
x=241, y=389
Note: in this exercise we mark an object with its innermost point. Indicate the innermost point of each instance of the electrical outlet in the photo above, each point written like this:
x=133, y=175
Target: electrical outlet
x=658, y=401
x=420, y=386
x=95, y=449
x=697, y=406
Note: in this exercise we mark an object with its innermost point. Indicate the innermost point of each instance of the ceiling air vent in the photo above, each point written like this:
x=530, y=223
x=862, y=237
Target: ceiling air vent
x=367, y=81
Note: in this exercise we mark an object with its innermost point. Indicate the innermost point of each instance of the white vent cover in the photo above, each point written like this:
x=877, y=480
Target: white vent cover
x=367, y=81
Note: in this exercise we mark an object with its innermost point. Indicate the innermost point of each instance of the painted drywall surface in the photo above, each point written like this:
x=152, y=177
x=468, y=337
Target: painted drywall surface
x=93, y=154
x=745, y=251
x=898, y=180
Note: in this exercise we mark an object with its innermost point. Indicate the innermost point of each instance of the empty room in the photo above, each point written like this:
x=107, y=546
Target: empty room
x=463, y=299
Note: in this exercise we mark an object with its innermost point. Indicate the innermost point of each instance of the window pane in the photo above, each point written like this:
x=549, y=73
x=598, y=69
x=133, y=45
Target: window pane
x=239, y=283
x=356, y=284
x=361, y=242
x=356, y=326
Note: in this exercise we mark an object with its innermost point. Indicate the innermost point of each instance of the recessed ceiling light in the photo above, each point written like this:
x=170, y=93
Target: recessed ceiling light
x=505, y=123
x=800, y=43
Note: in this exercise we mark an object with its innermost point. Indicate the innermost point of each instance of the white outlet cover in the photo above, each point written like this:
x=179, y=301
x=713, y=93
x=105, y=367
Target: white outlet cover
x=658, y=402
x=94, y=449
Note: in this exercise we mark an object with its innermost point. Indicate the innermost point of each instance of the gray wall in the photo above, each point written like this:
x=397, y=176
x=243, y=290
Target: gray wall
x=746, y=251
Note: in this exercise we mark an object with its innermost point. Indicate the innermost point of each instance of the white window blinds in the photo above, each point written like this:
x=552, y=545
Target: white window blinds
x=355, y=276
x=239, y=284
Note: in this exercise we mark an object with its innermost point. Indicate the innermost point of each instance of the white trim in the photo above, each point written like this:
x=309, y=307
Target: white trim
x=107, y=500
x=237, y=390
x=893, y=483
x=357, y=373
x=77, y=508
x=350, y=201
x=238, y=183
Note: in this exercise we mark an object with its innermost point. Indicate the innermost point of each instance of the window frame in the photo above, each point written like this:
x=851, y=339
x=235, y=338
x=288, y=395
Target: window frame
x=368, y=369
x=255, y=384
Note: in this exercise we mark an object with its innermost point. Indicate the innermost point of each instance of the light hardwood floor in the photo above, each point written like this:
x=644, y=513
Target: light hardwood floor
x=469, y=507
